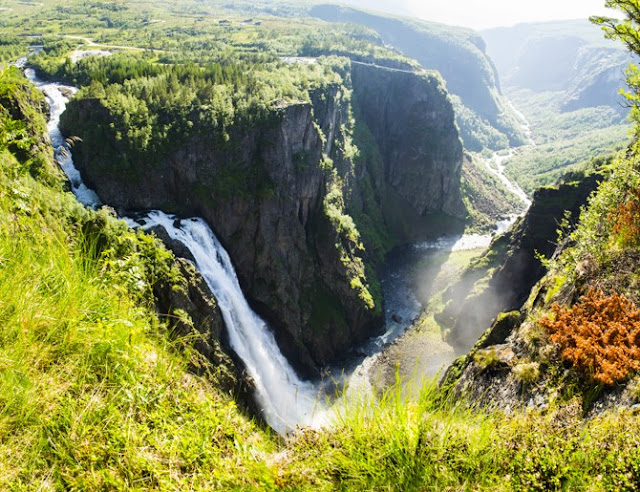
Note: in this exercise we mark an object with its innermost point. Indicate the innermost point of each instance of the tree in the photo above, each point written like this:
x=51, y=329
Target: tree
x=626, y=30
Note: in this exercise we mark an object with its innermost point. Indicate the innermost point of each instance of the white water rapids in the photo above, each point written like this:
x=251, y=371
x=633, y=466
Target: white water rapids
x=57, y=97
x=286, y=401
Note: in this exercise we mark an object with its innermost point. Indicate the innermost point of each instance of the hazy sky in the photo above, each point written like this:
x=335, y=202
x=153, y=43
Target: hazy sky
x=480, y=14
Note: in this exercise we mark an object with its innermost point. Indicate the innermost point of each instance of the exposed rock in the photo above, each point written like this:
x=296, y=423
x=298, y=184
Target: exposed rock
x=503, y=278
x=564, y=56
x=457, y=53
x=191, y=311
x=264, y=193
x=412, y=122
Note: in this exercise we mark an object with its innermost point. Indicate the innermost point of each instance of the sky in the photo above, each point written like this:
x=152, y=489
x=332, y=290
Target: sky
x=482, y=14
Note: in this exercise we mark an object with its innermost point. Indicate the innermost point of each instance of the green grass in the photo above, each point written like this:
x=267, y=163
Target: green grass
x=93, y=394
x=96, y=392
x=427, y=444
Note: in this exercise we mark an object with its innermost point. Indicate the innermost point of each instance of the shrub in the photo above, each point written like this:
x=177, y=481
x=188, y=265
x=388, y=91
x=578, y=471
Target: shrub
x=626, y=226
x=600, y=336
x=527, y=372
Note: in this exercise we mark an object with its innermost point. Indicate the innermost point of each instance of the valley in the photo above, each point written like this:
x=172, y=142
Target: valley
x=306, y=246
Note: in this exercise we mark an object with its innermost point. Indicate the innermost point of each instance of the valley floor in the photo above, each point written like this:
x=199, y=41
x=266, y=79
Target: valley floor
x=421, y=353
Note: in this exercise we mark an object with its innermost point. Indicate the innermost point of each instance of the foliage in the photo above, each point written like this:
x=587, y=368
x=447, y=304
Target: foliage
x=527, y=372
x=599, y=335
x=485, y=196
x=391, y=442
x=152, y=109
x=626, y=227
x=95, y=395
x=626, y=30
x=594, y=237
x=565, y=141
x=22, y=125
x=475, y=131
x=348, y=242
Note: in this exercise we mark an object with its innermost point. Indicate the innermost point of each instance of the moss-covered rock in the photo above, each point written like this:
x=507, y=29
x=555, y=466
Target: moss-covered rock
x=502, y=279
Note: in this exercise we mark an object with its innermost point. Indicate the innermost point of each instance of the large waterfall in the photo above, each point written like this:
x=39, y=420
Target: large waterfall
x=286, y=401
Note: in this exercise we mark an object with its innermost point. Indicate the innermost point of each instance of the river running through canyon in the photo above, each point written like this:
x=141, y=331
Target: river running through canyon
x=286, y=400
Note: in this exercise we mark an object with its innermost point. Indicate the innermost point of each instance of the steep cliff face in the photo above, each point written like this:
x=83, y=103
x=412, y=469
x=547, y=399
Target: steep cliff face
x=598, y=81
x=502, y=279
x=260, y=191
x=276, y=195
x=412, y=122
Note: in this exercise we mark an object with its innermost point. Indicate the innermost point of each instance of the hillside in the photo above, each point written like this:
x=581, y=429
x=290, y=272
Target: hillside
x=95, y=351
x=565, y=78
x=96, y=393
x=459, y=55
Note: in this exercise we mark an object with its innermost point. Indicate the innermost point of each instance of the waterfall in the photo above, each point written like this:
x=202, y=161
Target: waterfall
x=286, y=401
x=55, y=94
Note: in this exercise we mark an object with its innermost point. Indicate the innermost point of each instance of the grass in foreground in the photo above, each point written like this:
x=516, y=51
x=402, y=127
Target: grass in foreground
x=94, y=397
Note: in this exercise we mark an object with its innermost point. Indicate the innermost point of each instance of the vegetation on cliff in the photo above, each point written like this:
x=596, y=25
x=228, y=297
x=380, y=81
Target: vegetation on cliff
x=575, y=338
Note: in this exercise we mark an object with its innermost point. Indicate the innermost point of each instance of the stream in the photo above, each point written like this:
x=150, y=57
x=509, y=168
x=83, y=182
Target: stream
x=286, y=401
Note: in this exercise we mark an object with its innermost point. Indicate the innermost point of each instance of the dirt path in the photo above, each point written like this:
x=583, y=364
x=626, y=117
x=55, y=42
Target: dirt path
x=93, y=44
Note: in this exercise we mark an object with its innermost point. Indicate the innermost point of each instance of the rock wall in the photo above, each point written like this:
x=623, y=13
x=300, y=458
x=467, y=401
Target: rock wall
x=502, y=280
x=276, y=193
x=413, y=124
x=457, y=53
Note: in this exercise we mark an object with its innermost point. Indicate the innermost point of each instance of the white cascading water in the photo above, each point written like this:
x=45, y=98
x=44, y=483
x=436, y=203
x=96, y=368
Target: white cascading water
x=286, y=401
x=55, y=94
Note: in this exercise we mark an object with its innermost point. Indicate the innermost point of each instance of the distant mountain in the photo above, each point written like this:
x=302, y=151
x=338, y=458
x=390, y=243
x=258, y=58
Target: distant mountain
x=566, y=56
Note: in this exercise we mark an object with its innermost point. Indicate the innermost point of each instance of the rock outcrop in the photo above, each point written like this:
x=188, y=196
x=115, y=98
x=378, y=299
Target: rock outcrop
x=502, y=279
x=458, y=54
x=276, y=194
x=411, y=120
x=191, y=311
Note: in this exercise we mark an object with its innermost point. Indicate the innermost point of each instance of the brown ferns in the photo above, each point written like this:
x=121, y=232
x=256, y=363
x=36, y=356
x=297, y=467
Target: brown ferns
x=626, y=225
x=600, y=336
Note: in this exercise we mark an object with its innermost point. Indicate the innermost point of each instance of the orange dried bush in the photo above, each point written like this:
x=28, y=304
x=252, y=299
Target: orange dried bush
x=600, y=335
x=626, y=226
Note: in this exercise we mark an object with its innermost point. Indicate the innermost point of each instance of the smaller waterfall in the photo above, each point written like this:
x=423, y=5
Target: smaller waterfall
x=55, y=94
x=286, y=400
